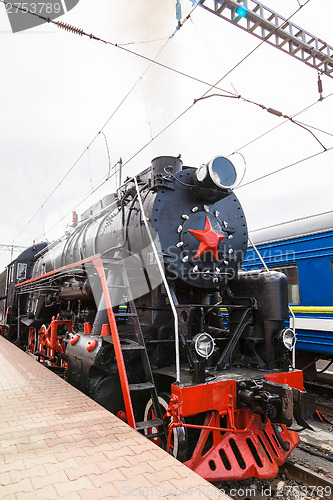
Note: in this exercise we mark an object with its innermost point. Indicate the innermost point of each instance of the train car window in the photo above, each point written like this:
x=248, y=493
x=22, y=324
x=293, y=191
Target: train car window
x=293, y=284
x=21, y=271
x=11, y=274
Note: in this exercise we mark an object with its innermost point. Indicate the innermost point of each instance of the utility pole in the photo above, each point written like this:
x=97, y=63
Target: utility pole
x=11, y=248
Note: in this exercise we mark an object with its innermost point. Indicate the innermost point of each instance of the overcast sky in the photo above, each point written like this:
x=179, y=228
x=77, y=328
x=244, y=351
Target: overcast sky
x=58, y=89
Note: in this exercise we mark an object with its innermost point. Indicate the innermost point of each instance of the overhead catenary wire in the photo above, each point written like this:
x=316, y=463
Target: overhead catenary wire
x=256, y=47
x=271, y=111
x=143, y=42
x=102, y=180
x=286, y=167
x=81, y=32
x=108, y=152
x=210, y=50
x=93, y=37
x=283, y=123
x=329, y=212
x=320, y=90
x=99, y=184
x=151, y=61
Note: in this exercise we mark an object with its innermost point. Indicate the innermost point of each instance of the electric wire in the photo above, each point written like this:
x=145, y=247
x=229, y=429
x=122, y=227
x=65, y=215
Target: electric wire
x=288, y=118
x=109, y=118
x=146, y=109
x=210, y=50
x=257, y=47
x=237, y=151
x=269, y=110
x=81, y=32
x=142, y=42
x=100, y=183
x=108, y=152
x=284, y=122
x=285, y=167
x=103, y=180
x=330, y=212
x=215, y=86
x=153, y=61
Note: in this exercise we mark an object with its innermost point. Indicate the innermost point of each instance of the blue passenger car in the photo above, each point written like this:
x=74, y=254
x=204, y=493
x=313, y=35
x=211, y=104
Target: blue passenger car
x=303, y=251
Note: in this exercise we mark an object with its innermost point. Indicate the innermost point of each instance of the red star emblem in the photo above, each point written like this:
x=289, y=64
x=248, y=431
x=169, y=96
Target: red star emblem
x=208, y=238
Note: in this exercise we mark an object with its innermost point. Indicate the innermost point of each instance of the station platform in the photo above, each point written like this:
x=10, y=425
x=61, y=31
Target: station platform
x=55, y=442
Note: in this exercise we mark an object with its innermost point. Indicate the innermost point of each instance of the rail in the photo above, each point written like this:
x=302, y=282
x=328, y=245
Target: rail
x=308, y=478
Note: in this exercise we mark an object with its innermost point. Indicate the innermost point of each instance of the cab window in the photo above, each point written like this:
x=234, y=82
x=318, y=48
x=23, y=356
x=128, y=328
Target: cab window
x=11, y=274
x=293, y=284
x=21, y=273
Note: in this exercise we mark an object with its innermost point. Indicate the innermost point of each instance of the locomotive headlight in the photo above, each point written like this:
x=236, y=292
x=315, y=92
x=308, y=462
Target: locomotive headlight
x=203, y=345
x=288, y=338
x=201, y=173
x=218, y=173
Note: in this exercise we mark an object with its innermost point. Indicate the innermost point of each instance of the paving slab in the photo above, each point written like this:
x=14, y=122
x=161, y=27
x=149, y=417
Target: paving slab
x=55, y=442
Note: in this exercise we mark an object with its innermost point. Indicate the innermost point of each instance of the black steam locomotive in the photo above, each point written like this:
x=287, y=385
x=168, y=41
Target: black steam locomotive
x=143, y=305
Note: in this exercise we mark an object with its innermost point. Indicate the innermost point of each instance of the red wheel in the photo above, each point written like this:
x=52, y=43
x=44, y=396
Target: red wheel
x=32, y=340
x=179, y=438
x=42, y=345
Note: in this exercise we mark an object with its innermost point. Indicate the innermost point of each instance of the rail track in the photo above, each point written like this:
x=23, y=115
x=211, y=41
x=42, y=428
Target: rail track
x=319, y=387
x=314, y=484
x=325, y=409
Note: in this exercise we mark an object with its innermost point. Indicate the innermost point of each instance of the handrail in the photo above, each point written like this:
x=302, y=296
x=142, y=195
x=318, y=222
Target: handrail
x=166, y=284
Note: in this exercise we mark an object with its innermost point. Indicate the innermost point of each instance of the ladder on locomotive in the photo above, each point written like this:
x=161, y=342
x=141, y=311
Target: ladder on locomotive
x=136, y=343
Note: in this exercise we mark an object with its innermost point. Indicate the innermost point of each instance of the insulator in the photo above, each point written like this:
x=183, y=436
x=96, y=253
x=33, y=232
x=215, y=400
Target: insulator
x=69, y=27
x=178, y=10
x=320, y=88
x=274, y=112
x=320, y=85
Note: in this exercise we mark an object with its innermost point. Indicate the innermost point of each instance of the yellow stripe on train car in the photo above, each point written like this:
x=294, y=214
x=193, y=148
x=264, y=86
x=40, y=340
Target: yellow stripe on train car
x=313, y=309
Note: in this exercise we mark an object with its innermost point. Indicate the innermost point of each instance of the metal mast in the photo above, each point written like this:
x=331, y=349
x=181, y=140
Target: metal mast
x=252, y=16
x=11, y=248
